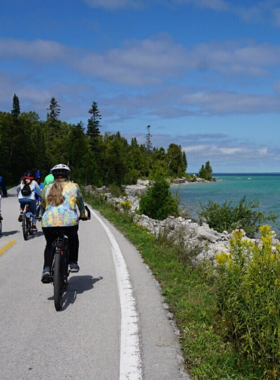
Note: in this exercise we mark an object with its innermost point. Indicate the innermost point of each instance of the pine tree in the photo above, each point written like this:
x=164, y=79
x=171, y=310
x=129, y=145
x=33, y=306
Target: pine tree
x=94, y=121
x=185, y=162
x=149, y=140
x=206, y=171
x=93, y=131
x=16, y=108
x=54, y=109
x=175, y=163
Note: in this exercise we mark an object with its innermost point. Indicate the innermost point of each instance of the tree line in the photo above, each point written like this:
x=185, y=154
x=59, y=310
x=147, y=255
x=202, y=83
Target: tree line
x=28, y=143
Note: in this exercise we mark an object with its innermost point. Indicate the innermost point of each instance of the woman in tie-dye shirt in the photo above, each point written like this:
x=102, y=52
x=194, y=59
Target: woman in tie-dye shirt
x=61, y=201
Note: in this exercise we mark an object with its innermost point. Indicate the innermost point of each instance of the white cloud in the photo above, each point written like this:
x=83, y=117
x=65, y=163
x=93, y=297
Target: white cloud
x=266, y=11
x=39, y=50
x=263, y=151
x=219, y=5
x=230, y=57
x=137, y=63
x=113, y=4
x=231, y=151
x=150, y=61
x=223, y=102
x=223, y=157
x=195, y=148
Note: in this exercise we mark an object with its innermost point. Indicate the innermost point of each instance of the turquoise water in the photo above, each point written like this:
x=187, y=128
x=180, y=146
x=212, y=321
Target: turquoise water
x=264, y=187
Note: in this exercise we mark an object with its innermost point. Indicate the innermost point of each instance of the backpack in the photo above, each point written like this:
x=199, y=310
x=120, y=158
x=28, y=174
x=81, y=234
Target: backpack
x=26, y=190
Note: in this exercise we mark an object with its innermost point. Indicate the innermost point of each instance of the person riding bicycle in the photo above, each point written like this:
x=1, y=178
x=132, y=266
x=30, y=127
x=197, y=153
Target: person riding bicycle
x=49, y=178
x=38, y=179
x=61, y=201
x=4, y=191
x=26, y=194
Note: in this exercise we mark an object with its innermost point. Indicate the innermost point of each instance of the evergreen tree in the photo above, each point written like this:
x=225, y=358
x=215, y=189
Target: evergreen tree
x=93, y=131
x=208, y=169
x=202, y=172
x=149, y=141
x=76, y=152
x=53, y=133
x=185, y=162
x=16, y=107
x=54, y=111
x=175, y=164
x=205, y=171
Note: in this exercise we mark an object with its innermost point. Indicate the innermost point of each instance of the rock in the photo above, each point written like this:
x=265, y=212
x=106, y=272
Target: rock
x=201, y=239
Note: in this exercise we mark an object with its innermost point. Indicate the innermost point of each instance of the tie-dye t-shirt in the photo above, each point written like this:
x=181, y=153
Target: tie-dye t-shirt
x=65, y=214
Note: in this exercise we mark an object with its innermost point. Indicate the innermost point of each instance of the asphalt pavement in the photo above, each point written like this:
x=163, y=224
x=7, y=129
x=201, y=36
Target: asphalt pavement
x=113, y=324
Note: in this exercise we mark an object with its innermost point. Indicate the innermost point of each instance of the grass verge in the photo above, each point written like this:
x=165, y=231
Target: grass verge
x=191, y=295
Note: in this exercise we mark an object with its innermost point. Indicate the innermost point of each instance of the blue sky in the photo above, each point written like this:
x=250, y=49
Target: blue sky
x=204, y=74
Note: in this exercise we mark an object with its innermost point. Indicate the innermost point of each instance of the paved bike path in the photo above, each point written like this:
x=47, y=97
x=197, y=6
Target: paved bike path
x=83, y=340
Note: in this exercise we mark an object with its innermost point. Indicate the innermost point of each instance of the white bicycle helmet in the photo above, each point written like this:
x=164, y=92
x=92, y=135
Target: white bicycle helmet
x=61, y=171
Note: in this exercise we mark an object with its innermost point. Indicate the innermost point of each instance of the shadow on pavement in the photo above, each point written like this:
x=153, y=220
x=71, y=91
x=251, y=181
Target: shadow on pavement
x=8, y=233
x=77, y=285
x=37, y=234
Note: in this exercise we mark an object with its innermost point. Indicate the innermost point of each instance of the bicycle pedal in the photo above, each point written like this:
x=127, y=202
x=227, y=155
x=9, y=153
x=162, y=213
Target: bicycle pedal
x=45, y=281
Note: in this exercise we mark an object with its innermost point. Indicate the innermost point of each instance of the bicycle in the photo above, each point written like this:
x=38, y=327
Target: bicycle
x=60, y=266
x=27, y=215
x=0, y=219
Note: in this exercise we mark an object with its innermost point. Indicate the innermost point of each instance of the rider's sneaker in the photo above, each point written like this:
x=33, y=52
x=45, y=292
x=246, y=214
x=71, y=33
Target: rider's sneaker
x=74, y=267
x=1, y=218
x=46, y=275
x=20, y=218
x=34, y=228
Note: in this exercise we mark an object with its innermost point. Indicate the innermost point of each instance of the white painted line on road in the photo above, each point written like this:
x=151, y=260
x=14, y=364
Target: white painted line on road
x=130, y=360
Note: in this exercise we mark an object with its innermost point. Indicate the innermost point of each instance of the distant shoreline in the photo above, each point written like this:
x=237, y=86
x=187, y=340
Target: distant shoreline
x=247, y=174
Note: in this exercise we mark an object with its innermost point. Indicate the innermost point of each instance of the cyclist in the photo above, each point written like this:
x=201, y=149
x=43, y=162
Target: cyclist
x=26, y=194
x=48, y=179
x=38, y=174
x=4, y=191
x=37, y=195
x=60, y=203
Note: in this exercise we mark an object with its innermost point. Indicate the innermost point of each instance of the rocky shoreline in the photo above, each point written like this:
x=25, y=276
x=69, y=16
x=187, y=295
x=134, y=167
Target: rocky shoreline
x=194, y=179
x=209, y=241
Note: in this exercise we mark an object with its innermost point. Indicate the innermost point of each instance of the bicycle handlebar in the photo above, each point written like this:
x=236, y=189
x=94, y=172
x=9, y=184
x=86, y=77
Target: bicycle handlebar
x=88, y=214
x=88, y=217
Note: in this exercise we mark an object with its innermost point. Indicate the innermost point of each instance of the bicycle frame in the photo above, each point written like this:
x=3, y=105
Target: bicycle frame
x=60, y=264
x=0, y=220
x=26, y=222
x=59, y=270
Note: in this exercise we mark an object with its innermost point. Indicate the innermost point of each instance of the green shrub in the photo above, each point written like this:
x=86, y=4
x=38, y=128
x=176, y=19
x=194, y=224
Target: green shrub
x=115, y=190
x=228, y=218
x=126, y=205
x=158, y=202
x=249, y=299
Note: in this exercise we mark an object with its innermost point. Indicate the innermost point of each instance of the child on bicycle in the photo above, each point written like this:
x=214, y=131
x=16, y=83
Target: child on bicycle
x=26, y=194
x=61, y=201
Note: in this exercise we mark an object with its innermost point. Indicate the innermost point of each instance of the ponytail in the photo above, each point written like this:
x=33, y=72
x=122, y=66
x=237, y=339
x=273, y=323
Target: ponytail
x=55, y=196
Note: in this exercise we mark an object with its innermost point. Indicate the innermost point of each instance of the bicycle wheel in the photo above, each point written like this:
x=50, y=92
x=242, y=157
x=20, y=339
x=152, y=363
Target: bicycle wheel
x=30, y=229
x=25, y=221
x=57, y=282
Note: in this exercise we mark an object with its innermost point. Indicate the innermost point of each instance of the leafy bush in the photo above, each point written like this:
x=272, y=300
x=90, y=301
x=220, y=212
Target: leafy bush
x=249, y=299
x=206, y=171
x=126, y=205
x=158, y=202
x=229, y=218
x=115, y=190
